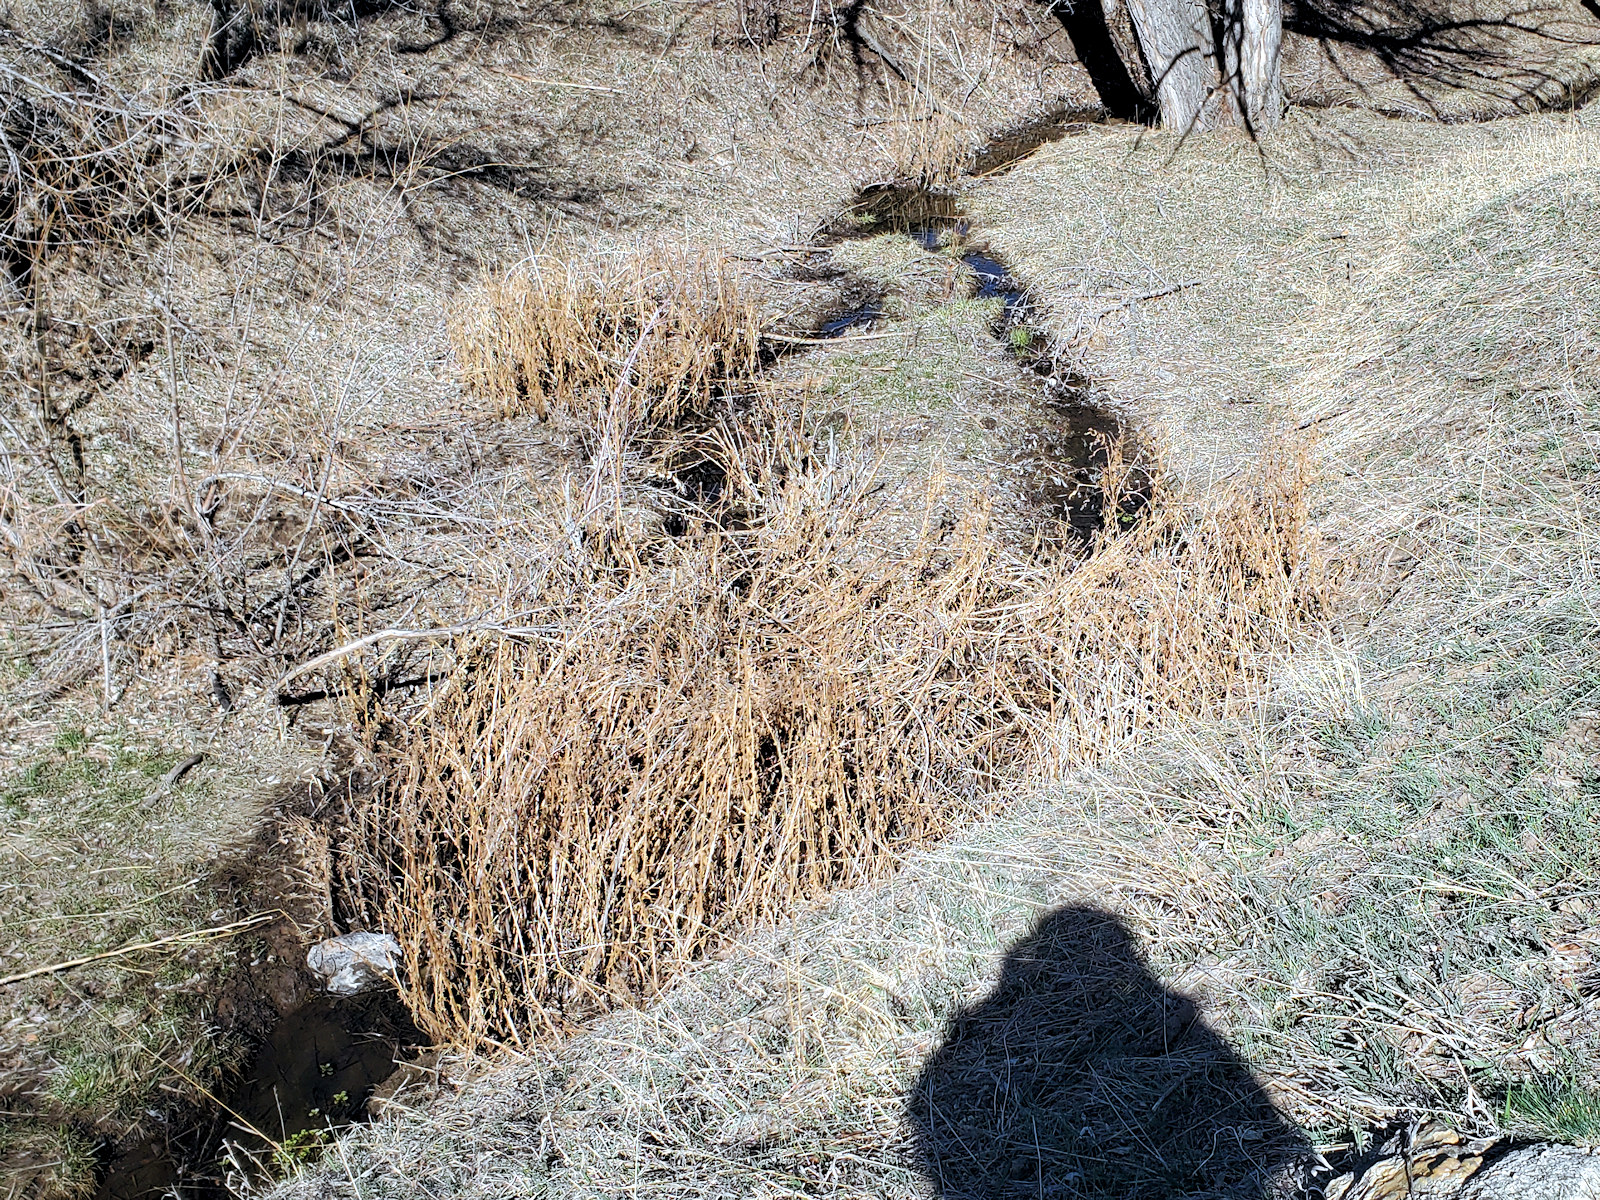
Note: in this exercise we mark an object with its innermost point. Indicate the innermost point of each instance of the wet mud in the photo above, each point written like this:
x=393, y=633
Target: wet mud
x=839, y=325
x=312, y=1075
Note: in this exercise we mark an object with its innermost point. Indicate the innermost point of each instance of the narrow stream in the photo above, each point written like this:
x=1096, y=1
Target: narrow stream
x=1062, y=455
x=316, y=1069
x=849, y=319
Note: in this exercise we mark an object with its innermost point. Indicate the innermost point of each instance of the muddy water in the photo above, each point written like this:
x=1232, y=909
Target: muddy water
x=314, y=1071
x=840, y=325
x=1061, y=461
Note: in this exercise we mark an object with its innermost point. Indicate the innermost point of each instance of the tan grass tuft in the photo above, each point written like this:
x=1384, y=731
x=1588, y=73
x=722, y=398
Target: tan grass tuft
x=568, y=335
x=928, y=148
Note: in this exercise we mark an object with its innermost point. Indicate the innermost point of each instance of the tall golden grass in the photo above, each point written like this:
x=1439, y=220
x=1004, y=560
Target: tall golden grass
x=566, y=334
x=706, y=730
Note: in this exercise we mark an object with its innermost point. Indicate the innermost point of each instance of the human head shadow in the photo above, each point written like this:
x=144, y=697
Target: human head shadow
x=1080, y=1075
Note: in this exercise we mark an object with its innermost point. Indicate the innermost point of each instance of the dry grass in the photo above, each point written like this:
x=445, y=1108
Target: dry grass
x=232, y=431
x=215, y=488
x=232, y=437
x=668, y=330
x=694, y=733
x=1379, y=879
x=1432, y=790
x=929, y=148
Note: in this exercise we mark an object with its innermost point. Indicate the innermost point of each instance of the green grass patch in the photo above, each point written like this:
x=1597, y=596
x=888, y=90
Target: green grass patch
x=96, y=856
x=1558, y=1109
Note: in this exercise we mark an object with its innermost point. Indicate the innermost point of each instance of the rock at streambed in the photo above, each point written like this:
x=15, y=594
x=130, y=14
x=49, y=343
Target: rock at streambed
x=1445, y=1166
x=353, y=963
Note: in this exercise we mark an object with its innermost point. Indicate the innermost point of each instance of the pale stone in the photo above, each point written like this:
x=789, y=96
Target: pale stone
x=353, y=963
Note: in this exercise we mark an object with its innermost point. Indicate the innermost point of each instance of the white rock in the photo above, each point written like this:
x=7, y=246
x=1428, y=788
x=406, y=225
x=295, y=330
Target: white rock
x=1539, y=1173
x=353, y=963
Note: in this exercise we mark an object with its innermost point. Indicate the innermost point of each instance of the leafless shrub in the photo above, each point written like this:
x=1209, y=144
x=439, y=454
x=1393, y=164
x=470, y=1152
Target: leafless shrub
x=81, y=161
x=187, y=540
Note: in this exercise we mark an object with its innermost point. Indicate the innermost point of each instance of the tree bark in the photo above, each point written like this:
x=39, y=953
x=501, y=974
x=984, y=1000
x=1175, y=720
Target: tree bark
x=1119, y=25
x=1252, y=34
x=1176, y=38
x=1259, y=63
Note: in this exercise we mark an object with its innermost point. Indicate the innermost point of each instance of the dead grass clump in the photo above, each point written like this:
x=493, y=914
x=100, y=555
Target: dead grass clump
x=689, y=734
x=930, y=148
x=1170, y=614
x=669, y=329
x=694, y=746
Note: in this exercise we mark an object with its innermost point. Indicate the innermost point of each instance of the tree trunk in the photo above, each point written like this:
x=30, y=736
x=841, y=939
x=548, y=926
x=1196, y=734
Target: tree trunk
x=1252, y=35
x=1259, y=63
x=1106, y=48
x=1119, y=25
x=1176, y=38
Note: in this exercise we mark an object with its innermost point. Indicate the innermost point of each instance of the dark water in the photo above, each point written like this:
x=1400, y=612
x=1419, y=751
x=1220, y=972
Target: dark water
x=838, y=326
x=1062, y=461
x=315, y=1070
x=1063, y=454
x=995, y=280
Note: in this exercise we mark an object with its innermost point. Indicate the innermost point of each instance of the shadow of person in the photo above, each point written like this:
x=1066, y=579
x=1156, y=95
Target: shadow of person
x=1080, y=1075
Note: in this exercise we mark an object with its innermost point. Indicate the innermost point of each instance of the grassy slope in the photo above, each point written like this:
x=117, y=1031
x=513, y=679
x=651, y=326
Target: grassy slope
x=315, y=342
x=102, y=854
x=1381, y=878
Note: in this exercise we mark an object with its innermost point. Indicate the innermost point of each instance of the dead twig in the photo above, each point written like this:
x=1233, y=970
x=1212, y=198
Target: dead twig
x=198, y=935
x=171, y=778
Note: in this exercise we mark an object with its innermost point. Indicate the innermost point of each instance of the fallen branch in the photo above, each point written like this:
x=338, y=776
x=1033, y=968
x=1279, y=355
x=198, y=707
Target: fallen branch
x=196, y=935
x=564, y=83
x=398, y=635
x=172, y=777
x=276, y=485
x=847, y=337
x=1127, y=301
x=361, y=643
